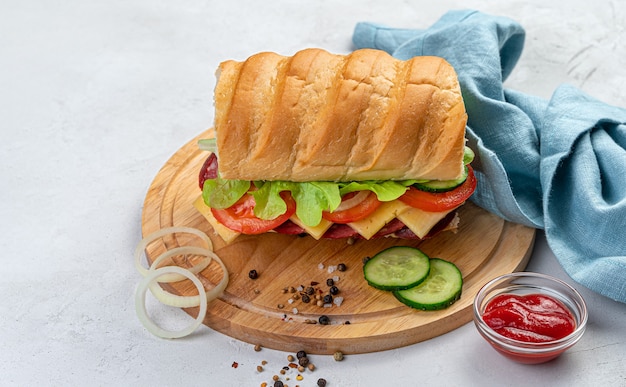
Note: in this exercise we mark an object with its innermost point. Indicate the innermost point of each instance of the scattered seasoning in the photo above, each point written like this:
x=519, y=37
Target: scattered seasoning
x=278, y=383
x=263, y=384
x=263, y=362
x=290, y=358
x=324, y=320
x=366, y=259
x=305, y=298
x=280, y=306
x=301, y=369
x=257, y=291
x=342, y=267
x=328, y=299
x=257, y=348
x=303, y=361
x=321, y=382
x=300, y=354
x=259, y=368
x=338, y=356
x=333, y=290
x=253, y=274
x=235, y=364
x=310, y=290
x=311, y=367
x=299, y=377
x=330, y=282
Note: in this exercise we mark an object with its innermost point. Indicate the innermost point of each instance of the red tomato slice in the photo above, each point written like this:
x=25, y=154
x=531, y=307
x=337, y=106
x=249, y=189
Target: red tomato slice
x=240, y=216
x=359, y=211
x=441, y=201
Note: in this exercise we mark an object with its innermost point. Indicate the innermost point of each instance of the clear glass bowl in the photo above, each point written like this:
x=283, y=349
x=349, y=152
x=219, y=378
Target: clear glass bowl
x=522, y=283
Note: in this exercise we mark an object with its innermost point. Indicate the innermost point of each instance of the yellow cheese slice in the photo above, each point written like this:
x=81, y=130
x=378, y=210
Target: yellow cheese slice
x=224, y=232
x=384, y=214
x=316, y=232
x=420, y=222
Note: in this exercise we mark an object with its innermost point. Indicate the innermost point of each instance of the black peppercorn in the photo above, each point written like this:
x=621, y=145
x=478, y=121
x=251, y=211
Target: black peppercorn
x=330, y=282
x=278, y=383
x=305, y=298
x=303, y=361
x=310, y=290
x=324, y=320
x=300, y=354
x=342, y=267
x=321, y=382
x=253, y=274
x=328, y=299
x=333, y=290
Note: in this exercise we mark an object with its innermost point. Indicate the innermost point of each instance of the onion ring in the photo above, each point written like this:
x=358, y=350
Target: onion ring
x=168, y=298
x=141, y=247
x=154, y=274
x=353, y=201
x=140, y=302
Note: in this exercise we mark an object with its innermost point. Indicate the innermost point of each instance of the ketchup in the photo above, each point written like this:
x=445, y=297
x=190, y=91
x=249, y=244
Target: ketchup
x=533, y=318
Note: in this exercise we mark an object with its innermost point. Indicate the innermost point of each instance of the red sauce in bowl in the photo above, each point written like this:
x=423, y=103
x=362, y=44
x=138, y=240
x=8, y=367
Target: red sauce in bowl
x=535, y=318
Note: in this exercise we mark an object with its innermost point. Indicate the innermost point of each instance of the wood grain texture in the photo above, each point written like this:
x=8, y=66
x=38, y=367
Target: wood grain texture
x=484, y=247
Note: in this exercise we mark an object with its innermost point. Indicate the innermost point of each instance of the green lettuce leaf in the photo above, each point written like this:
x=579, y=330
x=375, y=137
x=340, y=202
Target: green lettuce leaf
x=312, y=198
x=221, y=193
x=386, y=191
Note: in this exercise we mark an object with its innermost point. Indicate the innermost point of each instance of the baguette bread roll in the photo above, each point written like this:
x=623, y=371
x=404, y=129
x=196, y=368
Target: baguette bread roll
x=317, y=116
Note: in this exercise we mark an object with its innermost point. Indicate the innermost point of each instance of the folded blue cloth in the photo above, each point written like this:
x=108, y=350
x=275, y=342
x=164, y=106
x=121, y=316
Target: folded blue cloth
x=557, y=165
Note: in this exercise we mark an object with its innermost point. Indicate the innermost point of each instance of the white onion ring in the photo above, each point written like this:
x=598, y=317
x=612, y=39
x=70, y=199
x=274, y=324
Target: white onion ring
x=190, y=301
x=353, y=201
x=195, y=269
x=140, y=302
x=141, y=247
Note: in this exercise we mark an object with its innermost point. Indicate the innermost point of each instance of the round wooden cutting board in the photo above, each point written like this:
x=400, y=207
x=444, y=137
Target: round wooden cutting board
x=260, y=311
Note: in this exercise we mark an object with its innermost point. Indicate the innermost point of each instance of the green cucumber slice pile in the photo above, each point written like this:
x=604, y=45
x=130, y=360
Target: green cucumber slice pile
x=415, y=279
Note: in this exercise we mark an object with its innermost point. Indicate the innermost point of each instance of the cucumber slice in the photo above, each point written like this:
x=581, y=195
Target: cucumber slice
x=441, y=289
x=396, y=268
x=442, y=185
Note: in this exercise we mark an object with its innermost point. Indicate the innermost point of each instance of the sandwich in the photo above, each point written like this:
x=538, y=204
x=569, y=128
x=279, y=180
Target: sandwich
x=336, y=146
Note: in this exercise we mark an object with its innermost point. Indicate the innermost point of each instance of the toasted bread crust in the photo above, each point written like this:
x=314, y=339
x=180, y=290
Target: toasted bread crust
x=319, y=116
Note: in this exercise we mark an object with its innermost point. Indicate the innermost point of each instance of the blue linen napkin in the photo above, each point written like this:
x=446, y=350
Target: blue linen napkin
x=558, y=164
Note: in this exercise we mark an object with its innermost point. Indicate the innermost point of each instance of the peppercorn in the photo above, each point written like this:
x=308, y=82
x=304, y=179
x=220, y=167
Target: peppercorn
x=301, y=354
x=278, y=383
x=330, y=282
x=303, y=361
x=338, y=356
x=305, y=298
x=253, y=274
x=324, y=320
x=310, y=290
x=290, y=358
x=328, y=299
x=321, y=382
x=342, y=267
x=333, y=290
